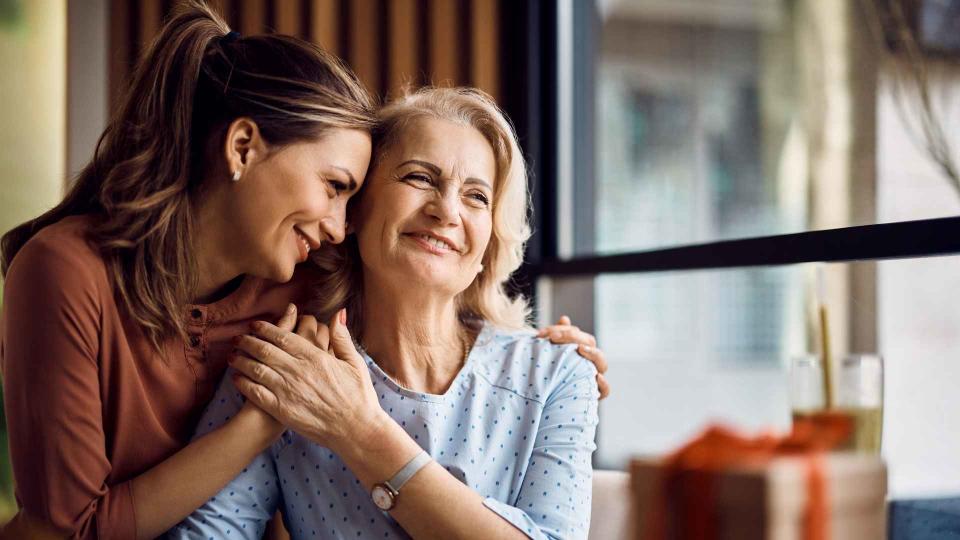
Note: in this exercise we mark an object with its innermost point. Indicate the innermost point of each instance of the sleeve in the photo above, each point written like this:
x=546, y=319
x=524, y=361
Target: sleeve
x=49, y=346
x=555, y=498
x=243, y=507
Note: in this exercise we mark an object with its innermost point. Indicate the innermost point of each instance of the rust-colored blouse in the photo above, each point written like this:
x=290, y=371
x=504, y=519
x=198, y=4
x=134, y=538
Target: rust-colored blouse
x=89, y=404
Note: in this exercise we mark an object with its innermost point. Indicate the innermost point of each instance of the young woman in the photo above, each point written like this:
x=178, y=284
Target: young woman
x=228, y=161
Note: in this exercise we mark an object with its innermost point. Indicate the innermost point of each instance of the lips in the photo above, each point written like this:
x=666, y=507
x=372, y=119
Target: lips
x=305, y=244
x=433, y=243
x=303, y=247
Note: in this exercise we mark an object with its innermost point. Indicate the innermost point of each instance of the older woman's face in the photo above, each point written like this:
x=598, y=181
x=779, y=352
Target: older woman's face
x=426, y=216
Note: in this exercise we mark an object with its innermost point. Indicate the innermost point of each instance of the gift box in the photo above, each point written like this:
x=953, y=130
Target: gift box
x=805, y=495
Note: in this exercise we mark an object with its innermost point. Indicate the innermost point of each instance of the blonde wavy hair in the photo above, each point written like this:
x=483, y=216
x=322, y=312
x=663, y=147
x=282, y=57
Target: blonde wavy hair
x=487, y=297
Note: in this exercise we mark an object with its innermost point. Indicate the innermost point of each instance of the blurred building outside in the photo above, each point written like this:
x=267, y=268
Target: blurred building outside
x=731, y=119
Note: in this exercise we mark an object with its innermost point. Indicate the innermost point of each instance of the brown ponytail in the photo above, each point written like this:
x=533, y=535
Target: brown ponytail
x=148, y=165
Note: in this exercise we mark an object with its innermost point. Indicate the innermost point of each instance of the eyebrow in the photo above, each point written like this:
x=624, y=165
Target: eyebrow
x=353, y=181
x=436, y=170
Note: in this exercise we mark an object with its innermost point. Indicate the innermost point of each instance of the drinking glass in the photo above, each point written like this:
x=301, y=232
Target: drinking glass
x=806, y=385
x=857, y=393
x=860, y=394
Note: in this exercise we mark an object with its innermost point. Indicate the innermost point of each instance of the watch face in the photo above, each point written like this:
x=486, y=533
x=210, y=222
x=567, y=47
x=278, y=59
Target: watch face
x=381, y=497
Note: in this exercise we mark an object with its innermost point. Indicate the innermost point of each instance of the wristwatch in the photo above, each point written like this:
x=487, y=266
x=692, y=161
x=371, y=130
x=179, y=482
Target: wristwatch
x=385, y=494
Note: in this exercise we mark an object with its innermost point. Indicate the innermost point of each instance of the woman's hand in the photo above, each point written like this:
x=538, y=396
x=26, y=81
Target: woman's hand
x=313, y=381
x=286, y=323
x=565, y=332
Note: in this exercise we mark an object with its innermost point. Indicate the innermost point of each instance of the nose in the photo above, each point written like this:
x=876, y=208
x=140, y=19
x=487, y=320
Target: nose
x=333, y=226
x=445, y=208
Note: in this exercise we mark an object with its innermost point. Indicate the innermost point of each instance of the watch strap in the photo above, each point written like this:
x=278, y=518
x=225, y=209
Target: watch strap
x=406, y=473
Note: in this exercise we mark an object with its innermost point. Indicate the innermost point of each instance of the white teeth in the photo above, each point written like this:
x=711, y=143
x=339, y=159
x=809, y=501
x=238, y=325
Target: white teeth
x=439, y=244
x=304, y=241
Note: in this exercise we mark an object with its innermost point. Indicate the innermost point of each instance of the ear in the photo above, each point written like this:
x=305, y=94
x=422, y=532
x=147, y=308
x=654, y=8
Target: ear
x=243, y=144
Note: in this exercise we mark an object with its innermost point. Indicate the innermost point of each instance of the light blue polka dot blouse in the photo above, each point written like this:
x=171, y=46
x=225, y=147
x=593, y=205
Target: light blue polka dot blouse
x=516, y=425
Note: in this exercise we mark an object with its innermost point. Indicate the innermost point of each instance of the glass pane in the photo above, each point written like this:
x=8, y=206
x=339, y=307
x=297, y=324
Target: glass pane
x=668, y=172
x=689, y=348
x=722, y=120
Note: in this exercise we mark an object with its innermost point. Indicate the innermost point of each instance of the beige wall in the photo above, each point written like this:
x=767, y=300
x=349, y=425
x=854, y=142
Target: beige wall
x=32, y=134
x=32, y=110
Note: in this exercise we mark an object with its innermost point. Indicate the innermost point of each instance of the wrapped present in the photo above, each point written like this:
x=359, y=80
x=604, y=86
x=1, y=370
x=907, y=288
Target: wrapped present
x=724, y=486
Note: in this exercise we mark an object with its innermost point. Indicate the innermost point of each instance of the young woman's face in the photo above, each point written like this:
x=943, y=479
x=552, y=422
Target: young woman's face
x=426, y=217
x=294, y=199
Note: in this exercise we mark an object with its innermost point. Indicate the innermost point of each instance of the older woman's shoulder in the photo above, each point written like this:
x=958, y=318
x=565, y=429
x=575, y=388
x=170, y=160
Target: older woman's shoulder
x=532, y=367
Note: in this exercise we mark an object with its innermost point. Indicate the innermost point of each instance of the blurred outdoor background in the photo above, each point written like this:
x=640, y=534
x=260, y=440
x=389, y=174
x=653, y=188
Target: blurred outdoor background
x=648, y=124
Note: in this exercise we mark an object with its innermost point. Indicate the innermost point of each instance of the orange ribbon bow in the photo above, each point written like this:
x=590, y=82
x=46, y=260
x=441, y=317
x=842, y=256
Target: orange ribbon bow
x=688, y=476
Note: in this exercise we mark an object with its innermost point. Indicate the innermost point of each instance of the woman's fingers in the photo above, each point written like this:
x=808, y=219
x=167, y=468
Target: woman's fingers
x=289, y=318
x=561, y=324
x=603, y=386
x=594, y=355
x=257, y=372
x=322, y=338
x=314, y=332
x=257, y=394
x=568, y=334
x=557, y=333
x=307, y=328
x=288, y=342
x=341, y=342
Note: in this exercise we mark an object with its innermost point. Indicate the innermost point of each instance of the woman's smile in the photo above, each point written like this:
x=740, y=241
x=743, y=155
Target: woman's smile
x=304, y=244
x=433, y=243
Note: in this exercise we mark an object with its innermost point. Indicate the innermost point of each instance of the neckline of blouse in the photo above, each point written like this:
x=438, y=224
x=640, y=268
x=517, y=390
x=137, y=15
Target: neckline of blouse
x=380, y=376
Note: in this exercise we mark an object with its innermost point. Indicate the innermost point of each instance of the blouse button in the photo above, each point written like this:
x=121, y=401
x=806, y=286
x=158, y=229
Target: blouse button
x=194, y=340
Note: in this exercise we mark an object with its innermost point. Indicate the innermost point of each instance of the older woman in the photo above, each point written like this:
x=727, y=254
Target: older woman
x=453, y=420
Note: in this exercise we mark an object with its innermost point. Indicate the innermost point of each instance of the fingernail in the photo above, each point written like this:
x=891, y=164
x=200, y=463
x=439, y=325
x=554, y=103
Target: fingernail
x=587, y=349
x=343, y=316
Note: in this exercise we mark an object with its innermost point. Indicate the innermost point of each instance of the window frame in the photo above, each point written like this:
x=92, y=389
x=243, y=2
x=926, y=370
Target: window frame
x=530, y=40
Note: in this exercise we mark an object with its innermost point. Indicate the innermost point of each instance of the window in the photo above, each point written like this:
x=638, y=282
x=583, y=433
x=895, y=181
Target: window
x=691, y=158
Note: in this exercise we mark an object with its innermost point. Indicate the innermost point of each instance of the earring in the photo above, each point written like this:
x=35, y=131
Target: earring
x=236, y=176
x=481, y=268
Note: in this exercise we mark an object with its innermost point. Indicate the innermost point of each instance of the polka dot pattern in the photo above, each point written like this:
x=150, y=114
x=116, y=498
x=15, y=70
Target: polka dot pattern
x=517, y=426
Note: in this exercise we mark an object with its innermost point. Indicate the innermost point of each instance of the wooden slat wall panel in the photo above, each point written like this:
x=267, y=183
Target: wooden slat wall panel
x=485, y=46
x=403, y=66
x=253, y=17
x=151, y=14
x=121, y=51
x=287, y=15
x=388, y=43
x=325, y=24
x=364, y=49
x=444, y=43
